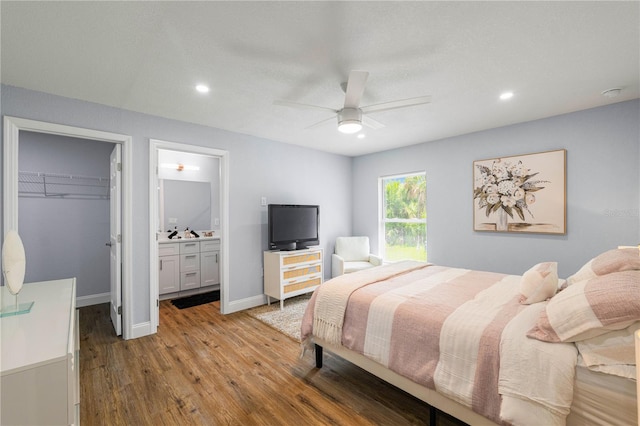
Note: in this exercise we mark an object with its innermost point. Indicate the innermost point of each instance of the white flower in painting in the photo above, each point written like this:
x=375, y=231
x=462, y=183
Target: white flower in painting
x=508, y=201
x=519, y=194
x=506, y=187
x=530, y=198
x=499, y=170
x=517, y=169
x=491, y=189
x=493, y=198
x=488, y=179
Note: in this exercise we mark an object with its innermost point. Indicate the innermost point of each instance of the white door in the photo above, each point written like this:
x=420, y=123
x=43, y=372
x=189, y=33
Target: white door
x=115, y=239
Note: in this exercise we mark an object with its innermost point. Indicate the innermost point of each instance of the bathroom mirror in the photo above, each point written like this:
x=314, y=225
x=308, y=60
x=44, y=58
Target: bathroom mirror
x=188, y=202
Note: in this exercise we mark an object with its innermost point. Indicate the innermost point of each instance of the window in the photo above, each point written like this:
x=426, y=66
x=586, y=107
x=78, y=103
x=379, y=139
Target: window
x=403, y=217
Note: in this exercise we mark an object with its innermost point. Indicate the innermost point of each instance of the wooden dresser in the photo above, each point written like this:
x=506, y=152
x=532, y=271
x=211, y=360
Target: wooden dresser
x=40, y=353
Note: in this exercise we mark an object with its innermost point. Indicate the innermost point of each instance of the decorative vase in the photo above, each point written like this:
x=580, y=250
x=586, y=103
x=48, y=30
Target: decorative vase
x=502, y=223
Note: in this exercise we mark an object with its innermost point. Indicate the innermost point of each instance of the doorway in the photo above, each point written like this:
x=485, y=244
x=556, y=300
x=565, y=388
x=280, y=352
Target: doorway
x=14, y=127
x=157, y=146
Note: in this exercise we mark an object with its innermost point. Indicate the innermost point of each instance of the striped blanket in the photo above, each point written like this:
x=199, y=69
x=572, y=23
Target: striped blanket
x=457, y=331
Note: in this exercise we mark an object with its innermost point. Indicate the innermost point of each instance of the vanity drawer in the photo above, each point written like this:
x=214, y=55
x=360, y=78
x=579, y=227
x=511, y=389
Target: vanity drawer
x=187, y=248
x=168, y=249
x=213, y=245
x=189, y=280
x=189, y=262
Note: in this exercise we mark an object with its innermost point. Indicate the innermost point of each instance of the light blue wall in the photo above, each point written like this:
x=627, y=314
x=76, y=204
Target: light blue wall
x=258, y=167
x=602, y=190
x=66, y=237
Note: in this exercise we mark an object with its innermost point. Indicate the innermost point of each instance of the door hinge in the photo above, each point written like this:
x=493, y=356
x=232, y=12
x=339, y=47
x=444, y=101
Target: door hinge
x=157, y=303
x=119, y=238
x=119, y=310
x=119, y=167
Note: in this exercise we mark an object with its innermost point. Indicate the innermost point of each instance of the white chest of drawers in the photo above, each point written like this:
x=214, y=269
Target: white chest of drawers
x=291, y=273
x=40, y=350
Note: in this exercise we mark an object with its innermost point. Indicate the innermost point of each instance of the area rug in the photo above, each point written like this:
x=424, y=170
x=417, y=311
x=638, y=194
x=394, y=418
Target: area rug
x=196, y=299
x=287, y=320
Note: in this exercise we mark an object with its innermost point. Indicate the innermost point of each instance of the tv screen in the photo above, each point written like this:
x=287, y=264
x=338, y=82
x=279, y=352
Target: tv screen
x=293, y=226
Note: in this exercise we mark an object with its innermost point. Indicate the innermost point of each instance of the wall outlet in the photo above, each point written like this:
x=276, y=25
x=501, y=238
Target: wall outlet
x=216, y=221
x=263, y=201
x=173, y=220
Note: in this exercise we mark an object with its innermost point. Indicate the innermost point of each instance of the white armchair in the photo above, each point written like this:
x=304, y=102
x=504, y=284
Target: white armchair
x=352, y=254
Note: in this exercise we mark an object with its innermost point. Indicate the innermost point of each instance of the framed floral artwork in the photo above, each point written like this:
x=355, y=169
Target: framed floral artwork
x=523, y=193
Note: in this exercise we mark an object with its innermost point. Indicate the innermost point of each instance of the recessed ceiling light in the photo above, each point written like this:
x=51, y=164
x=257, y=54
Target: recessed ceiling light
x=506, y=95
x=202, y=88
x=362, y=136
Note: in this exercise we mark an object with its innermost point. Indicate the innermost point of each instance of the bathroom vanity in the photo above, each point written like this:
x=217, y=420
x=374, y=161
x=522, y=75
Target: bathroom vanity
x=188, y=266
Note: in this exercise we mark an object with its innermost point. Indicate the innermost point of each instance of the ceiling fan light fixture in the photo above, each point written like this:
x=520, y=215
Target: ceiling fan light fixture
x=349, y=127
x=350, y=120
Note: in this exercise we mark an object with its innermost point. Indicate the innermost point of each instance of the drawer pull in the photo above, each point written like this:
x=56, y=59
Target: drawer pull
x=190, y=273
x=190, y=244
x=192, y=255
x=161, y=264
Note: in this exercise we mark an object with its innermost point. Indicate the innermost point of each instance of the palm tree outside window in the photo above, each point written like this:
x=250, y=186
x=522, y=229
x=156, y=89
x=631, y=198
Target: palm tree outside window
x=403, y=221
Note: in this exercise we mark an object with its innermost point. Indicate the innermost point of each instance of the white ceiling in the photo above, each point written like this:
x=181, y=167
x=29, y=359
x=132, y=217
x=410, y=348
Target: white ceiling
x=557, y=57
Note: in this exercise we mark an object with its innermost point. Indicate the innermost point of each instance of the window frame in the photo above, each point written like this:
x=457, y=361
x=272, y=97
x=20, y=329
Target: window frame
x=383, y=220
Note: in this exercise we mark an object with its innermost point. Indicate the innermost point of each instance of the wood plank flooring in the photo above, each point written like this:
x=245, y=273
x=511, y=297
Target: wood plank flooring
x=204, y=368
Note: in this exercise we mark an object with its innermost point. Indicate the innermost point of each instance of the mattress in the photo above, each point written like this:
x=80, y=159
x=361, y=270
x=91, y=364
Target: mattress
x=602, y=399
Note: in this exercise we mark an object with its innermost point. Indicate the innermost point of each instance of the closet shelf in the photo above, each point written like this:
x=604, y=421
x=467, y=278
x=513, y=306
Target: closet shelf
x=38, y=184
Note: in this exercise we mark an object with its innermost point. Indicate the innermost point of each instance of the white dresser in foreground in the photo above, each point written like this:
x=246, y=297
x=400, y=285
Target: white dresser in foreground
x=40, y=357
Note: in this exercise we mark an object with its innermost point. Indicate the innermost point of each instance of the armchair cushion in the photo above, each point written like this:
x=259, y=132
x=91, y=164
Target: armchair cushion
x=351, y=255
x=353, y=249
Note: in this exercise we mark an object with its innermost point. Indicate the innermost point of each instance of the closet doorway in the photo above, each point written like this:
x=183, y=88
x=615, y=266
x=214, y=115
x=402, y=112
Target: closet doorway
x=63, y=203
x=217, y=211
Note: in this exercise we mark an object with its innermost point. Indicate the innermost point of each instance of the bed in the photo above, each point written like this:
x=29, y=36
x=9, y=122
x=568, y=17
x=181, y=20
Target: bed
x=490, y=348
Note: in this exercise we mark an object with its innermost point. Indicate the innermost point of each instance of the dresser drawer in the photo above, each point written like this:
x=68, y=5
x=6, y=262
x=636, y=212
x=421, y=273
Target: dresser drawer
x=186, y=248
x=301, y=258
x=288, y=274
x=299, y=285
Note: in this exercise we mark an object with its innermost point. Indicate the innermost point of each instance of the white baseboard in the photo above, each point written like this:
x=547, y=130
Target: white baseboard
x=248, y=303
x=93, y=299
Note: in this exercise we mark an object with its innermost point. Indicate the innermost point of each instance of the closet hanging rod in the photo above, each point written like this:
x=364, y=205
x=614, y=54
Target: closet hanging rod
x=62, y=185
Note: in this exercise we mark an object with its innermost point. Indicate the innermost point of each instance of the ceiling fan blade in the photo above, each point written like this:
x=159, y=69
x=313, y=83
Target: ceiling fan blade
x=370, y=122
x=303, y=106
x=319, y=123
x=355, y=88
x=385, y=106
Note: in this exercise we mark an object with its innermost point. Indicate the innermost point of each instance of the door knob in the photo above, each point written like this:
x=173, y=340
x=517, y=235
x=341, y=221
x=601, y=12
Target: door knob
x=108, y=244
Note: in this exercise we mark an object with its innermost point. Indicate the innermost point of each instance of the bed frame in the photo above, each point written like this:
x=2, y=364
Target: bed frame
x=429, y=396
x=622, y=405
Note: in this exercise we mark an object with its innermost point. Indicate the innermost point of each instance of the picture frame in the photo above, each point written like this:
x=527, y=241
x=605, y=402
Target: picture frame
x=521, y=193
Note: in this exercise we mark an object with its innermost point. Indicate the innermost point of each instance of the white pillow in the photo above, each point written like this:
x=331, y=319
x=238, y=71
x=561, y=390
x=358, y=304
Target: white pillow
x=539, y=283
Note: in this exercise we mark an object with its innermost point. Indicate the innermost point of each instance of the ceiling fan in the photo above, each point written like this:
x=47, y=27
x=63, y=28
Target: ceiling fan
x=352, y=116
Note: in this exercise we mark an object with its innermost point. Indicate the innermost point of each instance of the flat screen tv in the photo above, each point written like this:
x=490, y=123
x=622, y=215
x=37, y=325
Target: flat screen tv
x=293, y=226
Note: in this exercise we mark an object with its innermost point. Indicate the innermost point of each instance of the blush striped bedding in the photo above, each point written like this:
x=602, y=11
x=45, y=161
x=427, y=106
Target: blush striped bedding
x=457, y=331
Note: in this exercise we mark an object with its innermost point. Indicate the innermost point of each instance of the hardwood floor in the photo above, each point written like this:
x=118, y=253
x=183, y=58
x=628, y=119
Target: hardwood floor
x=204, y=368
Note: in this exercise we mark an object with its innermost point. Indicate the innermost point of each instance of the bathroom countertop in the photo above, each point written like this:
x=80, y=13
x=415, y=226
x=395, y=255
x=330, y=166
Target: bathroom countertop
x=163, y=238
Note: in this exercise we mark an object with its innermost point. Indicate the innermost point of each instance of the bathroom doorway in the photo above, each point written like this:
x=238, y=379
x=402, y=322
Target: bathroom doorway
x=188, y=187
